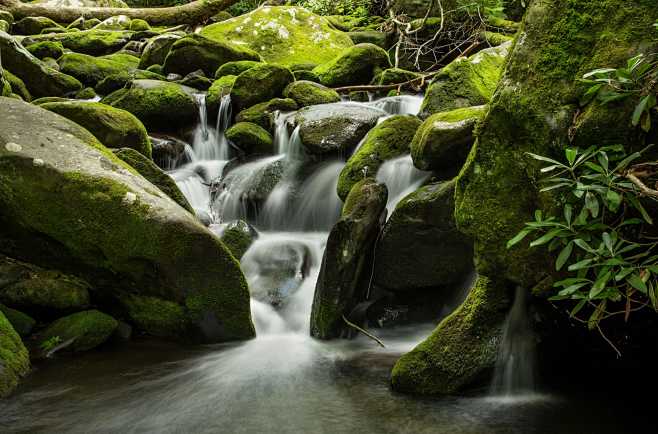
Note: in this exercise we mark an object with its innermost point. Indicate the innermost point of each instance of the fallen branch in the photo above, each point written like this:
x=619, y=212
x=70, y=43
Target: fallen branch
x=190, y=13
x=365, y=332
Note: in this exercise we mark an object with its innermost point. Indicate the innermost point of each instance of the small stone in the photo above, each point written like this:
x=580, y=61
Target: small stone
x=38, y=162
x=129, y=198
x=13, y=147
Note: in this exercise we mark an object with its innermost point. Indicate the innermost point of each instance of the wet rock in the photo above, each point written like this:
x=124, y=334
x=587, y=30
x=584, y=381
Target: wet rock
x=251, y=139
x=219, y=89
x=355, y=65
x=46, y=49
x=335, y=128
x=79, y=332
x=17, y=86
x=93, y=42
x=339, y=287
x=91, y=70
x=238, y=236
x=259, y=84
x=14, y=358
x=155, y=316
x=263, y=114
x=21, y=322
x=197, y=80
x=114, y=82
x=235, y=68
x=87, y=93
x=156, y=50
x=306, y=93
x=33, y=25
x=168, y=152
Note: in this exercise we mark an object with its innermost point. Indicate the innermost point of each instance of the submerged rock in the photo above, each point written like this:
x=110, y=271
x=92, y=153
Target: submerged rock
x=40, y=79
x=81, y=331
x=306, y=93
x=388, y=140
x=14, y=358
x=335, y=128
x=339, y=287
x=285, y=35
x=115, y=128
x=259, y=84
x=59, y=181
x=445, y=139
x=355, y=65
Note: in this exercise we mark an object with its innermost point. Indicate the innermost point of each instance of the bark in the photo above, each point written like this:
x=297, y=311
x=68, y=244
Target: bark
x=190, y=13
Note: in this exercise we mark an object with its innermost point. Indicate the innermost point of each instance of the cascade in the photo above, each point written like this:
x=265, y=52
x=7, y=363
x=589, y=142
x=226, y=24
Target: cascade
x=401, y=178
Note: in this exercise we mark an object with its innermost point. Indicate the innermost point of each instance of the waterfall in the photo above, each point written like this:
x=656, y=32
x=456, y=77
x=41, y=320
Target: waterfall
x=210, y=143
x=401, y=178
x=514, y=375
x=400, y=105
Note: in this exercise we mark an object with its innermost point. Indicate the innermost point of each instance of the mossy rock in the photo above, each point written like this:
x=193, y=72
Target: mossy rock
x=465, y=82
x=155, y=316
x=40, y=291
x=238, y=237
x=45, y=49
x=156, y=50
x=303, y=74
x=21, y=322
x=14, y=358
x=219, y=88
x=196, y=80
x=395, y=76
x=388, y=140
x=39, y=79
x=160, y=105
x=335, y=128
x=285, y=35
x=157, y=69
x=79, y=332
x=148, y=169
x=88, y=93
x=4, y=26
x=444, y=140
x=114, y=82
x=236, y=68
x=251, y=139
x=91, y=70
x=494, y=39
x=194, y=52
x=6, y=16
x=355, y=65
x=420, y=246
x=93, y=42
x=462, y=351
x=117, y=22
x=338, y=288
x=61, y=182
x=17, y=86
x=345, y=23
x=33, y=25
x=307, y=93
x=47, y=99
x=5, y=87
x=137, y=25
x=84, y=3
x=263, y=114
x=113, y=127
x=259, y=84
x=375, y=37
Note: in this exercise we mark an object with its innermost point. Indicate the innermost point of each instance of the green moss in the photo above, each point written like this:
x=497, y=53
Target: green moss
x=219, y=88
x=6, y=16
x=263, y=114
x=4, y=26
x=156, y=69
x=285, y=35
x=85, y=330
x=154, y=175
x=17, y=86
x=237, y=237
x=50, y=291
x=14, y=358
x=388, y=140
x=394, y=76
x=305, y=75
x=156, y=50
x=22, y=323
x=155, y=316
x=495, y=39
x=91, y=70
x=234, y=68
x=307, y=93
x=138, y=25
x=355, y=65
x=251, y=139
x=194, y=52
x=47, y=99
x=46, y=49
x=93, y=42
x=34, y=25
x=114, y=82
x=115, y=128
x=259, y=84
x=462, y=349
x=86, y=93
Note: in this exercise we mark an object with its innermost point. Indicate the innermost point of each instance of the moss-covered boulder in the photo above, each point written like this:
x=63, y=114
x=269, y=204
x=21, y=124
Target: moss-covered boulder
x=463, y=348
x=160, y=105
x=388, y=140
x=14, y=358
x=39, y=78
x=62, y=190
x=114, y=82
x=263, y=114
x=91, y=70
x=355, y=65
x=33, y=25
x=340, y=287
x=155, y=316
x=93, y=42
x=79, y=332
x=285, y=35
x=115, y=128
x=238, y=237
x=194, y=52
x=219, y=89
x=251, y=139
x=335, y=128
x=395, y=76
x=420, y=246
x=375, y=37
x=306, y=93
x=137, y=25
x=466, y=82
x=5, y=87
x=196, y=80
x=6, y=16
x=259, y=84
x=156, y=50
x=39, y=291
x=148, y=169
x=21, y=322
x=235, y=68
x=45, y=49
x=17, y=86
x=445, y=139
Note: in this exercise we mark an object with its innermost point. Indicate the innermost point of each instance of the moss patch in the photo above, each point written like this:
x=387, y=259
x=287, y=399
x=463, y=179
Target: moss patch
x=84, y=330
x=259, y=84
x=91, y=70
x=14, y=359
x=306, y=93
x=155, y=316
x=355, y=65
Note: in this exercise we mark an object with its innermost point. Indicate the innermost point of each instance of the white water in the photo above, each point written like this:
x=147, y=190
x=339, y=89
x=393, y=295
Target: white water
x=401, y=179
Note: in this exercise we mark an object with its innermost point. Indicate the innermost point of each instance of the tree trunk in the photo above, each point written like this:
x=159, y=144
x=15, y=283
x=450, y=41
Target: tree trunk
x=190, y=13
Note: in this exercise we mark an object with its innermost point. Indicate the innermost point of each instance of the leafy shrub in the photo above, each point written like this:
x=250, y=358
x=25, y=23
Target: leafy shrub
x=356, y=8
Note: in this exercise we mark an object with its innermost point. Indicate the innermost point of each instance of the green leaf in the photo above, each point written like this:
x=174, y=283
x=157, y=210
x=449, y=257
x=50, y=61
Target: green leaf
x=608, y=242
x=599, y=71
x=545, y=238
x=592, y=204
x=645, y=122
x=613, y=200
x=578, y=307
x=603, y=160
x=580, y=265
x=563, y=257
x=571, y=154
x=599, y=285
x=568, y=213
x=636, y=282
x=583, y=245
x=639, y=110
x=518, y=238
x=638, y=206
x=546, y=159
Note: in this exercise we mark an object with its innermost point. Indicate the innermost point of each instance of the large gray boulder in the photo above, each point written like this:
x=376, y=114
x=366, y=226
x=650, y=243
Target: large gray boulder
x=66, y=198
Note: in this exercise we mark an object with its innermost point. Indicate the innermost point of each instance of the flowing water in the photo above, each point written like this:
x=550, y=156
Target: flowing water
x=283, y=381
